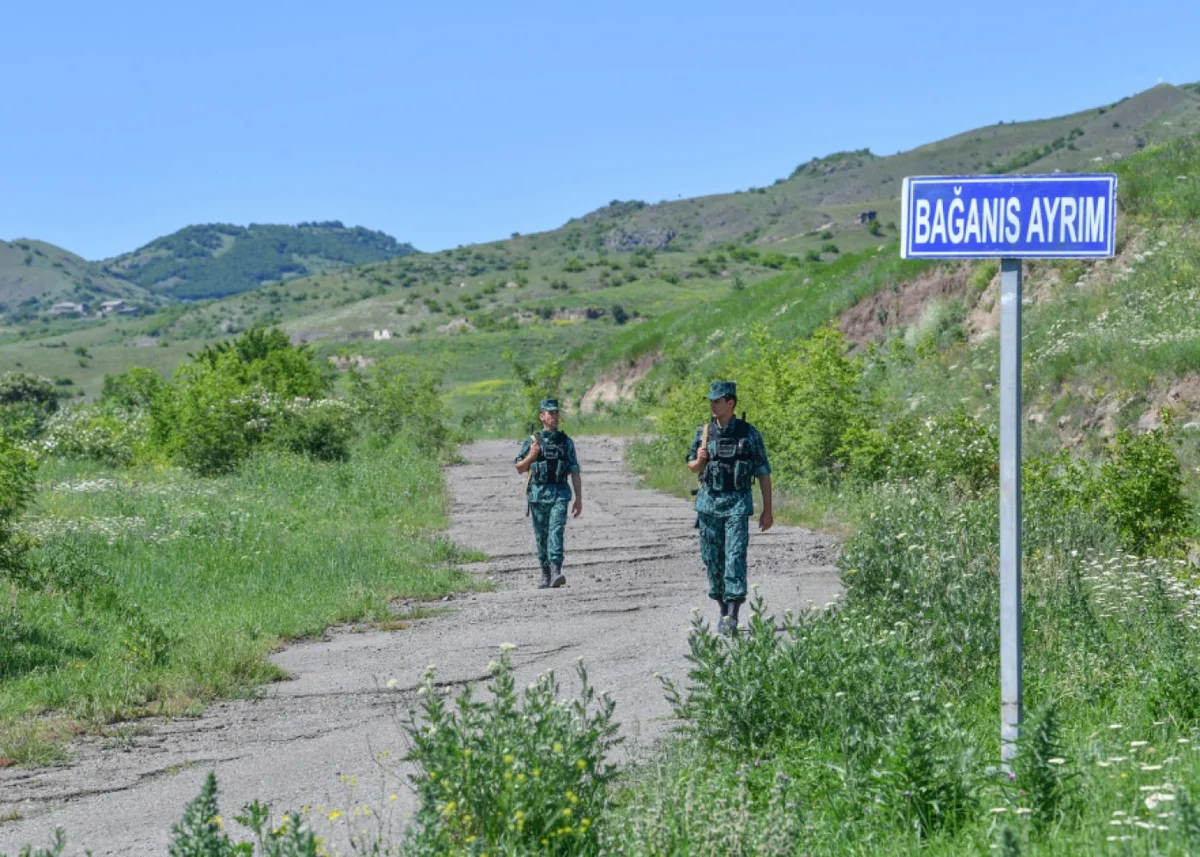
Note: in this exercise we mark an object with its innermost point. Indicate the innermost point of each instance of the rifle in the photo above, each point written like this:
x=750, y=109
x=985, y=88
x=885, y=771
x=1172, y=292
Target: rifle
x=704, y=446
x=529, y=473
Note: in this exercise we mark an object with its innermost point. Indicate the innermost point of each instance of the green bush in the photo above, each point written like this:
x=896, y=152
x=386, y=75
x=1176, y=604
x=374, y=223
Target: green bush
x=110, y=435
x=322, y=429
x=805, y=396
x=1142, y=490
x=401, y=395
x=26, y=403
x=134, y=388
x=201, y=832
x=235, y=396
x=210, y=422
x=1136, y=486
x=521, y=773
x=17, y=468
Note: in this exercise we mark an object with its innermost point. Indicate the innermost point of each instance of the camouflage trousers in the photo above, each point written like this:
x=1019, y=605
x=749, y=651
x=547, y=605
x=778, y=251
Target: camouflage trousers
x=549, y=521
x=723, y=543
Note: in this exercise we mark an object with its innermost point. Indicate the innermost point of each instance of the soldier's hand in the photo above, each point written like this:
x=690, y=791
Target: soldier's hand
x=702, y=455
x=765, y=520
x=577, y=508
x=535, y=449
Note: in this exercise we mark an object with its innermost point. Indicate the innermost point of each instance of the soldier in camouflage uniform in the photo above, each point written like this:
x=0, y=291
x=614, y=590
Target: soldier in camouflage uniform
x=733, y=457
x=549, y=458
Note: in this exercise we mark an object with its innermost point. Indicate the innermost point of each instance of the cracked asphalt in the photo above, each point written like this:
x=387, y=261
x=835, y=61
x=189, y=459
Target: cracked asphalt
x=331, y=737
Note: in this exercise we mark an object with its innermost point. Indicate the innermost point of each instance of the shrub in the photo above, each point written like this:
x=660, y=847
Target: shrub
x=201, y=831
x=1137, y=487
x=1142, y=490
x=401, y=396
x=521, y=773
x=134, y=388
x=110, y=435
x=26, y=402
x=17, y=467
x=321, y=429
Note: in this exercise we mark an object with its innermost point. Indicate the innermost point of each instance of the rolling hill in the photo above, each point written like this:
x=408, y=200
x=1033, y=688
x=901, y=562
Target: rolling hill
x=590, y=282
x=35, y=275
x=217, y=260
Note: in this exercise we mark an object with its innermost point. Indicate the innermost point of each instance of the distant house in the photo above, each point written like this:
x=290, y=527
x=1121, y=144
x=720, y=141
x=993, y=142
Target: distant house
x=864, y=217
x=129, y=310
x=112, y=306
x=67, y=308
x=381, y=334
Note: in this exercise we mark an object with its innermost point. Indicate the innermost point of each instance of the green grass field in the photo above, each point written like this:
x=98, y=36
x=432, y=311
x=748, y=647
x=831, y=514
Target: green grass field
x=181, y=586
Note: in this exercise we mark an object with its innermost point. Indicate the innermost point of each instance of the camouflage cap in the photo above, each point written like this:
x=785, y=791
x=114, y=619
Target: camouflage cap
x=548, y=405
x=722, y=389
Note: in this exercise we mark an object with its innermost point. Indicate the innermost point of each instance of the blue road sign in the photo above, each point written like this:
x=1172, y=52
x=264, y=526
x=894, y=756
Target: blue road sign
x=1011, y=217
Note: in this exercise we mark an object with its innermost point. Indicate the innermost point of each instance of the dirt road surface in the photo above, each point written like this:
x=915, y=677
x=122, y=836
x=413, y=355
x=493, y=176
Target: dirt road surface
x=633, y=573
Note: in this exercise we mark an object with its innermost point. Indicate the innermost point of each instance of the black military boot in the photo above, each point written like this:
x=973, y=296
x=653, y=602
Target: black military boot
x=556, y=576
x=733, y=616
x=724, y=613
x=545, y=584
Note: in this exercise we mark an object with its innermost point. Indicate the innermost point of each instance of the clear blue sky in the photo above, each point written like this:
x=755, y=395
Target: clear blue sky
x=455, y=122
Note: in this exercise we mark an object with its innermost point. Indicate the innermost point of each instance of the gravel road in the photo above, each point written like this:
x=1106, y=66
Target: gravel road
x=633, y=573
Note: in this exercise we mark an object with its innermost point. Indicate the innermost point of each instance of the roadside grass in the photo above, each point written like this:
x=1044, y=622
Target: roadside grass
x=874, y=728
x=181, y=586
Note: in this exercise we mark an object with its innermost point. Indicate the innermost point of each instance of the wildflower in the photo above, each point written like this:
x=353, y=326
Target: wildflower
x=391, y=683
x=1138, y=743
x=558, y=748
x=1023, y=810
x=999, y=809
x=335, y=815
x=1116, y=726
x=1153, y=800
x=509, y=758
x=507, y=647
x=1056, y=761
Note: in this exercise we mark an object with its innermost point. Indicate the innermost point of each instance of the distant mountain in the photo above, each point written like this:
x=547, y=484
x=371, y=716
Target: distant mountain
x=35, y=276
x=219, y=259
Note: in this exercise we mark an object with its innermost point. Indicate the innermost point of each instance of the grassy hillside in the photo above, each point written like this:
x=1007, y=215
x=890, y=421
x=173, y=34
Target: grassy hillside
x=1108, y=344
x=220, y=259
x=35, y=275
x=605, y=285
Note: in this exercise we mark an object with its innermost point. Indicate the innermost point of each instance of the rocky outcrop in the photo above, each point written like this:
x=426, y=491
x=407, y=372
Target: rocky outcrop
x=627, y=240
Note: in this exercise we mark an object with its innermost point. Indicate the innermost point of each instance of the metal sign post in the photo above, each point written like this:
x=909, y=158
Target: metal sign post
x=1010, y=509
x=1010, y=218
